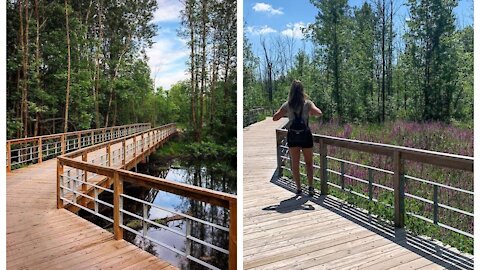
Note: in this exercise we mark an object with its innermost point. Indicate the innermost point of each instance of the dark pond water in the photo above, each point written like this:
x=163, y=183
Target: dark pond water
x=220, y=177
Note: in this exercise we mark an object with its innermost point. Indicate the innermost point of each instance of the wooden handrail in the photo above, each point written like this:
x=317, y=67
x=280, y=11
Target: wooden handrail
x=57, y=135
x=96, y=147
x=120, y=175
x=62, y=137
x=413, y=154
x=399, y=155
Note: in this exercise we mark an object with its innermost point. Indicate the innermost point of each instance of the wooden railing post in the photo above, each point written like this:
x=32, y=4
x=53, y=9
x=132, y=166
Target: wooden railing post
x=134, y=146
x=435, y=204
x=117, y=206
x=323, y=167
x=63, y=143
x=9, y=157
x=232, y=237
x=79, y=138
x=109, y=155
x=279, y=154
x=124, y=152
x=398, y=186
x=93, y=138
x=39, y=149
x=59, y=176
x=143, y=142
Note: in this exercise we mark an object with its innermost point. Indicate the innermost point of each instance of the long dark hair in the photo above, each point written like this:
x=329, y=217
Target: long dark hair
x=297, y=96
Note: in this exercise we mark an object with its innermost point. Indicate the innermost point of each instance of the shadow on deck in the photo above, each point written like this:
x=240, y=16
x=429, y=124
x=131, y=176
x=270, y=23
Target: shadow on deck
x=428, y=249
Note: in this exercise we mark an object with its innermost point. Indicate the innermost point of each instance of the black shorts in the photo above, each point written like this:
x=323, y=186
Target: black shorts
x=307, y=142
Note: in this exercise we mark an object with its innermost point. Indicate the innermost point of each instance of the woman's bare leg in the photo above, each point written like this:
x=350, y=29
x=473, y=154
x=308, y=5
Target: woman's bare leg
x=295, y=156
x=308, y=156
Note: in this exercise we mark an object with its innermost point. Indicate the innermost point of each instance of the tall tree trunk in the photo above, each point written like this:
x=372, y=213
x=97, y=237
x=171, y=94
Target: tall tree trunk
x=24, y=46
x=37, y=63
x=96, y=88
x=204, y=64
x=65, y=126
x=383, y=60
x=190, y=10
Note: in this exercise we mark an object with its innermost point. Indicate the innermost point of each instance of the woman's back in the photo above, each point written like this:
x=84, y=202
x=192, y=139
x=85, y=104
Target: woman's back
x=291, y=113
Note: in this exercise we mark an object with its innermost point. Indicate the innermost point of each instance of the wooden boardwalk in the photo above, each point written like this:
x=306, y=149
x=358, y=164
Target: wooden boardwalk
x=282, y=231
x=40, y=236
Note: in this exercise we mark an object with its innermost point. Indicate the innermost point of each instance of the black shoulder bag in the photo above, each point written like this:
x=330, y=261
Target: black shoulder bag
x=298, y=133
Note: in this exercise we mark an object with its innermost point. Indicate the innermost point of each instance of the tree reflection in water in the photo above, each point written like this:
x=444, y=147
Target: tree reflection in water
x=199, y=174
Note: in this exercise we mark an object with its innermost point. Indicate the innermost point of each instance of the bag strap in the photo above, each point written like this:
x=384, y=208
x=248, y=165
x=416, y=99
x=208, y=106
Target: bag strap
x=301, y=112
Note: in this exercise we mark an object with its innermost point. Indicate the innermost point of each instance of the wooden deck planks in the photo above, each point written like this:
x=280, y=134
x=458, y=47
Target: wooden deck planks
x=304, y=233
x=39, y=236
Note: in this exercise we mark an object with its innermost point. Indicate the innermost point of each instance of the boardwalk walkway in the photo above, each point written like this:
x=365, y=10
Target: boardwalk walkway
x=282, y=231
x=40, y=236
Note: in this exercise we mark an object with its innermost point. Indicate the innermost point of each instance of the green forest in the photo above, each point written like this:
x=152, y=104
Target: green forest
x=362, y=68
x=74, y=65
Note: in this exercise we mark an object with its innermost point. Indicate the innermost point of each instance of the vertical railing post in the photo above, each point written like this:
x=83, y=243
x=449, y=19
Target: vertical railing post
x=124, y=152
x=109, y=155
x=93, y=137
x=398, y=187
x=323, y=167
x=370, y=184
x=85, y=178
x=9, y=157
x=144, y=226
x=188, y=244
x=279, y=154
x=143, y=142
x=435, y=204
x=117, y=206
x=232, y=237
x=39, y=149
x=63, y=143
x=59, y=176
x=342, y=175
x=134, y=146
x=79, y=139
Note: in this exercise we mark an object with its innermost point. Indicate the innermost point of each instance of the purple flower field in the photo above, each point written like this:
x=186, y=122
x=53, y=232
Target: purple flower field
x=434, y=136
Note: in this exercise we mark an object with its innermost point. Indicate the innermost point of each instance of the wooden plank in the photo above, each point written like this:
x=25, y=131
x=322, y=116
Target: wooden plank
x=38, y=234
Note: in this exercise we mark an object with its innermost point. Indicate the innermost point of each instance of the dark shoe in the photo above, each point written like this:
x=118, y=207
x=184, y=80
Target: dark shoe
x=299, y=192
x=311, y=191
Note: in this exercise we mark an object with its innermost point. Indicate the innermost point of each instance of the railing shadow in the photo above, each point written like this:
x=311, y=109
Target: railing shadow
x=429, y=249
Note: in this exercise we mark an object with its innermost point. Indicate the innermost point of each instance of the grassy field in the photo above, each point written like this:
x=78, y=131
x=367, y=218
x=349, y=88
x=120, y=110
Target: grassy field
x=430, y=136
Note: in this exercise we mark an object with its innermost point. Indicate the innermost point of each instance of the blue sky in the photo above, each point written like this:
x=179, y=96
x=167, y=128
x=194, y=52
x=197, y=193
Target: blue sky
x=264, y=19
x=169, y=53
x=269, y=19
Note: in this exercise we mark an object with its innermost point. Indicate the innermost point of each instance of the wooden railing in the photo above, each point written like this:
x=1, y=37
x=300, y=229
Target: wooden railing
x=37, y=149
x=73, y=187
x=398, y=155
x=251, y=116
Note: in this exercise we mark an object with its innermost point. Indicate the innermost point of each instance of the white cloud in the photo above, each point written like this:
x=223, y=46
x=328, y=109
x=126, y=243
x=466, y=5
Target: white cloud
x=263, y=7
x=167, y=59
x=167, y=11
x=294, y=30
x=260, y=30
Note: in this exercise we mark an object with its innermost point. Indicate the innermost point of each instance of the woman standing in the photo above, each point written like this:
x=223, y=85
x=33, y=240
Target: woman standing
x=299, y=136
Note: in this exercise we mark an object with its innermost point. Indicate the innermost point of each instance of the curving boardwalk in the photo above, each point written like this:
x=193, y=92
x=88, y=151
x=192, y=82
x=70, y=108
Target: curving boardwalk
x=40, y=236
x=284, y=232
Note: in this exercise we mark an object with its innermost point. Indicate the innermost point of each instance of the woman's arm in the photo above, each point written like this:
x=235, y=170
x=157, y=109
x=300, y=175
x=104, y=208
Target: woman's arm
x=279, y=114
x=315, y=111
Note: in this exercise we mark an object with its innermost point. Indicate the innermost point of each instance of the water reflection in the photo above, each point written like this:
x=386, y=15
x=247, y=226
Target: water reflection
x=220, y=178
